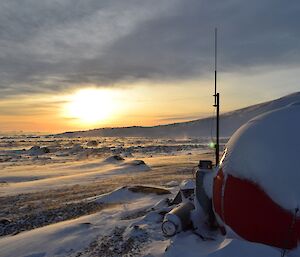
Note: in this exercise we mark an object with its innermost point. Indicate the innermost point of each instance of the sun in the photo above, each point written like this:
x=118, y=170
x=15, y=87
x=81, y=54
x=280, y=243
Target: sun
x=91, y=105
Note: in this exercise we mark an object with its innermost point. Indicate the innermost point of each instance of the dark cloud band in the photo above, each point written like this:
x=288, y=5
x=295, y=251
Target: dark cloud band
x=53, y=45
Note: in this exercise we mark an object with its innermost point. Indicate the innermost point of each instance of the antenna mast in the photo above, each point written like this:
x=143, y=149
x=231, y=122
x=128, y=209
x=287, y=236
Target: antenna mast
x=217, y=104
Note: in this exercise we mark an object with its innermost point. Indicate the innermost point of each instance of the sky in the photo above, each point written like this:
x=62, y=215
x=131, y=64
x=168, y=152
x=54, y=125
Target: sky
x=82, y=64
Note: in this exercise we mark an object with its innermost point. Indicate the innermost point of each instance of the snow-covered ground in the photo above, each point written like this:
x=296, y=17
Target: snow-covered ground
x=84, y=197
x=30, y=163
x=130, y=227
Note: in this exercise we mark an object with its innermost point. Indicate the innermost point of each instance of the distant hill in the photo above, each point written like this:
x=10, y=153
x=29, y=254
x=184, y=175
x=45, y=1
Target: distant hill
x=229, y=123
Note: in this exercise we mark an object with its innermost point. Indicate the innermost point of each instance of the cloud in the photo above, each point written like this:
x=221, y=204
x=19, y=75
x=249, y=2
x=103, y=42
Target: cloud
x=181, y=118
x=52, y=45
x=30, y=107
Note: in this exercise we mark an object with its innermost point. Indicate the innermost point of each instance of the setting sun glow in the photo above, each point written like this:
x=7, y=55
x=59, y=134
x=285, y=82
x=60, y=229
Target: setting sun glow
x=91, y=105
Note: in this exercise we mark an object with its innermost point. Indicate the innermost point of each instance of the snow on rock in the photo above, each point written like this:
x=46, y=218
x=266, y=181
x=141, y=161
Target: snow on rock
x=149, y=190
x=172, y=183
x=187, y=184
x=41, y=159
x=76, y=148
x=136, y=162
x=37, y=150
x=137, y=165
x=120, y=195
x=114, y=159
x=92, y=143
x=126, y=194
x=127, y=155
x=162, y=203
x=266, y=151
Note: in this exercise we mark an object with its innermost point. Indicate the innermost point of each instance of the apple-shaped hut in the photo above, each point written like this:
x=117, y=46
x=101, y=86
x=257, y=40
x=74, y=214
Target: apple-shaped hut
x=256, y=191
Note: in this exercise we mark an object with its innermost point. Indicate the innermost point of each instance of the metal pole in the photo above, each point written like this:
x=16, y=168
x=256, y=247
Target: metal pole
x=217, y=103
x=218, y=129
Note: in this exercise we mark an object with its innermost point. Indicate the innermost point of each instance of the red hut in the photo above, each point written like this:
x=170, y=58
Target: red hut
x=256, y=192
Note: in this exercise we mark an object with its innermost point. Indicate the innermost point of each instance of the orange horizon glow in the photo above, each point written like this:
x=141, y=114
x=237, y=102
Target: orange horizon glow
x=90, y=107
x=137, y=104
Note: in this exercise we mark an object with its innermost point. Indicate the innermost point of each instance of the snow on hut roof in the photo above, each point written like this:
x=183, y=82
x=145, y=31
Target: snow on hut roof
x=266, y=150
